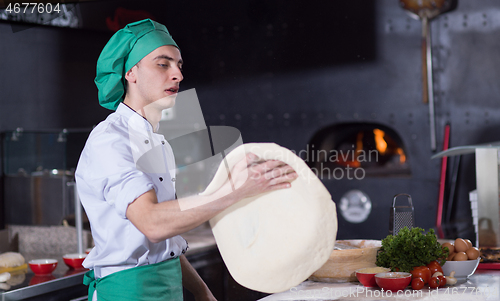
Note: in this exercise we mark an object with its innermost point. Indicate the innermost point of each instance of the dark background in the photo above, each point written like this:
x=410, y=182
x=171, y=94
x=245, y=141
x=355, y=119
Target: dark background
x=280, y=71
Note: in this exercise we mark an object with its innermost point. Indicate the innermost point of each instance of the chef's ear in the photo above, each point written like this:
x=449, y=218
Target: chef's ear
x=131, y=75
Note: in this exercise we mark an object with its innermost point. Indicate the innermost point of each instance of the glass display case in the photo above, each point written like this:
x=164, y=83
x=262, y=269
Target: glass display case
x=38, y=167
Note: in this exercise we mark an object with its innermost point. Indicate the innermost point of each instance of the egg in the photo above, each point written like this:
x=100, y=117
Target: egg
x=472, y=253
x=450, y=257
x=460, y=256
x=460, y=245
x=469, y=243
x=450, y=247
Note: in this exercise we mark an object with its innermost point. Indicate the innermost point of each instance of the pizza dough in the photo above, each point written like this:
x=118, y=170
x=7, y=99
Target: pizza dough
x=276, y=240
x=11, y=259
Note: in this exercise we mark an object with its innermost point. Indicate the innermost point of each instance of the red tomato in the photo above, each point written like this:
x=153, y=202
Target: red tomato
x=417, y=283
x=442, y=281
x=422, y=272
x=434, y=266
x=434, y=282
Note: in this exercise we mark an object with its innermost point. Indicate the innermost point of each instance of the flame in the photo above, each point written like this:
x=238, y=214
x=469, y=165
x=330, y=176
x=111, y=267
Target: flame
x=402, y=156
x=359, y=149
x=359, y=142
x=381, y=146
x=379, y=140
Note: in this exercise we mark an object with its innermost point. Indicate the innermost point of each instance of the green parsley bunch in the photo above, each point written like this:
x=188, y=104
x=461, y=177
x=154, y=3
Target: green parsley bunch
x=409, y=249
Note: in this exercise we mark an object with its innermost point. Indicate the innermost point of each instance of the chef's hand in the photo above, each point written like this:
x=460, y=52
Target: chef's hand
x=252, y=176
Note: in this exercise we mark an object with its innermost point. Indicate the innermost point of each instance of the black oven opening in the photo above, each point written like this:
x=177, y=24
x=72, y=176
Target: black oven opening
x=357, y=150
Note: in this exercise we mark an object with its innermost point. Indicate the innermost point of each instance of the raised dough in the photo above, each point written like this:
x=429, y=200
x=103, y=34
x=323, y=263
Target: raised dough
x=11, y=259
x=276, y=240
x=4, y=277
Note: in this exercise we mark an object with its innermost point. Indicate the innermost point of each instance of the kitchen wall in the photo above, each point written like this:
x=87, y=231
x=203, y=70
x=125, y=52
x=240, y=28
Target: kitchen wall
x=280, y=71
x=387, y=90
x=47, y=81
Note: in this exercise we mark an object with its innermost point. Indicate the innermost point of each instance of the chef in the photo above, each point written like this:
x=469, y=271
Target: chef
x=126, y=175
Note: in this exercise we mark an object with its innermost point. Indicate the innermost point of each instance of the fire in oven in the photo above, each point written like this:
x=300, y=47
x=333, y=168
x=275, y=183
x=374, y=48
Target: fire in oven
x=357, y=150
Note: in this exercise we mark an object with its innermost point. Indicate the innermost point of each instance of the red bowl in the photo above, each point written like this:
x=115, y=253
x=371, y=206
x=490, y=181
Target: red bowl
x=43, y=266
x=393, y=281
x=367, y=275
x=74, y=260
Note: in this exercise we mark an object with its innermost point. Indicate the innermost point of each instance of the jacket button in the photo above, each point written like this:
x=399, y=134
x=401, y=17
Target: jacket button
x=146, y=141
x=161, y=179
x=172, y=254
x=163, y=142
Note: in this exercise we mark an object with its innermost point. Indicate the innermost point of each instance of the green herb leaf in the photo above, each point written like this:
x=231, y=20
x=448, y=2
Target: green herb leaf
x=409, y=249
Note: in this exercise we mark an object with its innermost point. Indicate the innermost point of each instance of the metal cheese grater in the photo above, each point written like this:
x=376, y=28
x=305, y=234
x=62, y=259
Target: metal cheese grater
x=401, y=216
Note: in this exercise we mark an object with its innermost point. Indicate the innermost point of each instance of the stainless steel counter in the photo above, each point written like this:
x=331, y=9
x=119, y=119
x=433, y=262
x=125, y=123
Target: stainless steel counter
x=199, y=239
x=33, y=285
x=483, y=285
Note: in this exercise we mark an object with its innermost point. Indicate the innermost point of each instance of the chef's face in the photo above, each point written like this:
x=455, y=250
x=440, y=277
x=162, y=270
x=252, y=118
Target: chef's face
x=157, y=77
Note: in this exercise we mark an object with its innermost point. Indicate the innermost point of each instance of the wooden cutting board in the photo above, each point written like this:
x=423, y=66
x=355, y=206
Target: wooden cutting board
x=342, y=264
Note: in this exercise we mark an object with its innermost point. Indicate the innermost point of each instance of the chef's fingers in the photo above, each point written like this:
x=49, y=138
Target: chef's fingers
x=278, y=171
x=282, y=182
x=284, y=173
x=252, y=158
x=265, y=166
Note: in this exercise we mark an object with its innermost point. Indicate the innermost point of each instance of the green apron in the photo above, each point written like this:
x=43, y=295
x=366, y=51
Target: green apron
x=153, y=282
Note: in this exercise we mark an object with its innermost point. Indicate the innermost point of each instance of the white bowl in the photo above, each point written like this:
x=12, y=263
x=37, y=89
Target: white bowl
x=463, y=269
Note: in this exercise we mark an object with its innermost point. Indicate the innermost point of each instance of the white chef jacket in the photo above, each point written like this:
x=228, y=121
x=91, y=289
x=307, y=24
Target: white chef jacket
x=122, y=159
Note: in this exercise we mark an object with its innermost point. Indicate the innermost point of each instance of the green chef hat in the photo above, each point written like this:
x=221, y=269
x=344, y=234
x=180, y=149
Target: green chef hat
x=125, y=49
